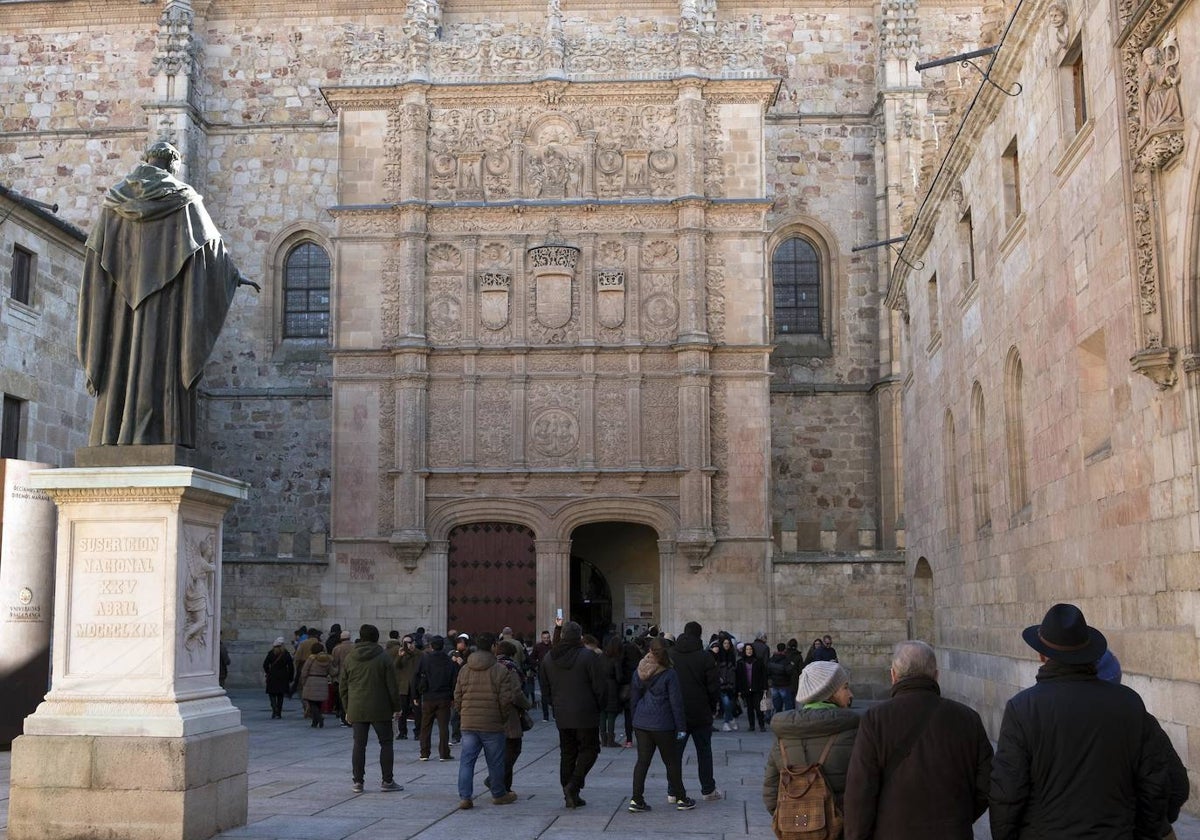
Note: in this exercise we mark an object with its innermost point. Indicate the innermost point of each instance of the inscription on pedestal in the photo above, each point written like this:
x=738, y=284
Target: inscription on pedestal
x=116, y=600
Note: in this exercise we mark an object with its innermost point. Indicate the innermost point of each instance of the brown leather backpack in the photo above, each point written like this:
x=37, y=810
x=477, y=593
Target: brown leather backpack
x=805, y=809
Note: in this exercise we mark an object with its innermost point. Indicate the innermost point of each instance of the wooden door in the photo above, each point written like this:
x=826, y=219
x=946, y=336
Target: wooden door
x=492, y=579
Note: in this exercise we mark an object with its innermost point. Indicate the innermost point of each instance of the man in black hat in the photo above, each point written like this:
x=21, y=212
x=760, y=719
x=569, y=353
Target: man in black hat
x=571, y=675
x=1074, y=758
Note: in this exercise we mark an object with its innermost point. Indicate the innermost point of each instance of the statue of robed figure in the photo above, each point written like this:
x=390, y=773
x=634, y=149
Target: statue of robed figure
x=157, y=285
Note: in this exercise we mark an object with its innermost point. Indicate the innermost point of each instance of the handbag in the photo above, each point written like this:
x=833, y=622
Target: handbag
x=765, y=705
x=526, y=721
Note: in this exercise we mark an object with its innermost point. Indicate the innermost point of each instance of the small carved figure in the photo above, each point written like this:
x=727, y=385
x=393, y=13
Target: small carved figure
x=1057, y=15
x=197, y=594
x=157, y=284
x=1158, y=87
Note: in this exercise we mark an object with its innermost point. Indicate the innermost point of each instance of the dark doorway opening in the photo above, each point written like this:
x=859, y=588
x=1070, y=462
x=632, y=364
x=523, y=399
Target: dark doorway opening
x=614, y=578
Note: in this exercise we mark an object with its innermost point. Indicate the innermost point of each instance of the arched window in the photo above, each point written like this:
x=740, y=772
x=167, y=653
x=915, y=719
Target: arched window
x=979, y=473
x=796, y=277
x=950, y=446
x=306, y=292
x=1018, y=490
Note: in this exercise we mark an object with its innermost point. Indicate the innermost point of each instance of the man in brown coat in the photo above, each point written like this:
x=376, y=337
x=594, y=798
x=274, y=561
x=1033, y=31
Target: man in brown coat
x=921, y=764
x=484, y=694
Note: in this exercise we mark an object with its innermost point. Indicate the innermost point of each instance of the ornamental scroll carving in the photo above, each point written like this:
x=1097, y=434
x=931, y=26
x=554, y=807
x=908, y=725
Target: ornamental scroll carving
x=1154, y=137
x=519, y=51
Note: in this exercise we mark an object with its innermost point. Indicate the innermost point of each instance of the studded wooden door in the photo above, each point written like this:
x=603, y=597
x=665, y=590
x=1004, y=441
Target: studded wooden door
x=492, y=578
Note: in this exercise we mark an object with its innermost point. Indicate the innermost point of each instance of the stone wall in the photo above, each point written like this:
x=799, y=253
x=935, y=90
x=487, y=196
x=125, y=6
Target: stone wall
x=37, y=339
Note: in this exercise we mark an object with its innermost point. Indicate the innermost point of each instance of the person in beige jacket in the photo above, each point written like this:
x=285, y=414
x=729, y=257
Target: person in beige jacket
x=484, y=695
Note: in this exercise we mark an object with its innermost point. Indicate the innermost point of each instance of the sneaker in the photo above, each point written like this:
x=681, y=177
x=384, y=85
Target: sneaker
x=671, y=800
x=454, y=743
x=390, y=786
x=506, y=799
x=735, y=726
x=465, y=804
x=638, y=806
x=422, y=758
x=725, y=727
x=685, y=804
x=446, y=758
x=628, y=744
x=714, y=796
x=357, y=788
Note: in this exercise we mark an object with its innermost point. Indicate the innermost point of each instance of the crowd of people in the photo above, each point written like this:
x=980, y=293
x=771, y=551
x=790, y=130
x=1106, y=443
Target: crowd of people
x=1078, y=754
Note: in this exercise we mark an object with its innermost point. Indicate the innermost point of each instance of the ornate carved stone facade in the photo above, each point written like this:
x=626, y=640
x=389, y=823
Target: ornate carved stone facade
x=552, y=229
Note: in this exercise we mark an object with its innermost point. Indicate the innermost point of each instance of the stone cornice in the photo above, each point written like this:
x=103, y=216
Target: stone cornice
x=499, y=93
x=982, y=112
x=50, y=14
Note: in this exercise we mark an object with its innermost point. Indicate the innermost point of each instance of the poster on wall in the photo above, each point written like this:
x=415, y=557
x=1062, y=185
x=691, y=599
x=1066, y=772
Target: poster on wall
x=639, y=602
x=27, y=524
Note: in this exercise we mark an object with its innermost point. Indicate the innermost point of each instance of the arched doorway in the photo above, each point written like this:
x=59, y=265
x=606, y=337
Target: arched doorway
x=614, y=577
x=922, y=623
x=492, y=578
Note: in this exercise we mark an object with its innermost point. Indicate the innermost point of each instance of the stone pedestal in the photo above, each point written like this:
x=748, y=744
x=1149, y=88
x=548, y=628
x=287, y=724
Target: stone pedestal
x=136, y=739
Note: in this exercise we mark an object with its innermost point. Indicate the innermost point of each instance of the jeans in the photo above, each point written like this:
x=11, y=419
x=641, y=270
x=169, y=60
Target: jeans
x=438, y=709
x=493, y=746
x=727, y=705
x=358, y=758
x=704, y=758
x=783, y=699
x=578, y=751
x=664, y=742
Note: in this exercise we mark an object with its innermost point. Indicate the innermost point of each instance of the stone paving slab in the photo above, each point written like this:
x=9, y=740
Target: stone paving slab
x=300, y=790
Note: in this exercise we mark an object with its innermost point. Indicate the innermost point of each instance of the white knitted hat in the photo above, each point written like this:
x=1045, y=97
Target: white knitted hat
x=819, y=680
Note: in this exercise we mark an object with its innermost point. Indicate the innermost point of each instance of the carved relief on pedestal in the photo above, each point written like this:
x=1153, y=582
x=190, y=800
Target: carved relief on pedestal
x=1160, y=110
x=199, y=595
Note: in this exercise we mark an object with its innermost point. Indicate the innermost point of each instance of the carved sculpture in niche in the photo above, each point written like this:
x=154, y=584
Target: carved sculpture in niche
x=1161, y=111
x=637, y=174
x=553, y=275
x=470, y=178
x=610, y=297
x=494, y=290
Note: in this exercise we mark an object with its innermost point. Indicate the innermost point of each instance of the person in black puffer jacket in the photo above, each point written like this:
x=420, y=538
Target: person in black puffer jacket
x=698, y=680
x=571, y=675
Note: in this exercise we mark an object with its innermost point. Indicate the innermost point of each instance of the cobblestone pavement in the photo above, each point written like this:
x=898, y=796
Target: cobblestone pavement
x=300, y=790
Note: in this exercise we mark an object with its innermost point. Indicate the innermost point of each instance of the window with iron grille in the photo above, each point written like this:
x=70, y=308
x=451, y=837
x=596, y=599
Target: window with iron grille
x=796, y=277
x=306, y=292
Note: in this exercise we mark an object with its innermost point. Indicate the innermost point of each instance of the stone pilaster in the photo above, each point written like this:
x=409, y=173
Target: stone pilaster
x=409, y=472
x=553, y=579
x=695, y=457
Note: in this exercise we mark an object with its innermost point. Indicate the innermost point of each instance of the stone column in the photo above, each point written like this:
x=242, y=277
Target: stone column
x=410, y=471
x=438, y=558
x=693, y=314
x=668, y=616
x=553, y=579
x=135, y=739
x=695, y=537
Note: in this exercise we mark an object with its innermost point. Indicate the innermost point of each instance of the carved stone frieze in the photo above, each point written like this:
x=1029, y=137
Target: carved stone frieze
x=366, y=222
x=460, y=220
x=714, y=151
x=714, y=289
x=395, y=271
x=445, y=423
x=660, y=308
x=612, y=424
x=660, y=417
x=493, y=423
x=443, y=316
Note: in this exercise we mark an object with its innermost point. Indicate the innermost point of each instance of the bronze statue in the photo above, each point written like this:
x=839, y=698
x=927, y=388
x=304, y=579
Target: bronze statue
x=157, y=285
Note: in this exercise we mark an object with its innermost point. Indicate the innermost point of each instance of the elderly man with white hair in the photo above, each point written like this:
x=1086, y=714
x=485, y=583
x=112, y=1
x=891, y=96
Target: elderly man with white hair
x=921, y=763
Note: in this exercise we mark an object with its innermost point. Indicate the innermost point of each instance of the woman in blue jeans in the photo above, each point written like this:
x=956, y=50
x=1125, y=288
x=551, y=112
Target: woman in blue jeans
x=658, y=725
x=727, y=679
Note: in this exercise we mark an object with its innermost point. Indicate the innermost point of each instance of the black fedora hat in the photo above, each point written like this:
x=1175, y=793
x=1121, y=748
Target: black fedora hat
x=1064, y=636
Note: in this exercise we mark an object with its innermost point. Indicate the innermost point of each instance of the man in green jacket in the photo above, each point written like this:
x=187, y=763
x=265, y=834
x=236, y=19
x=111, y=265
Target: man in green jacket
x=370, y=697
